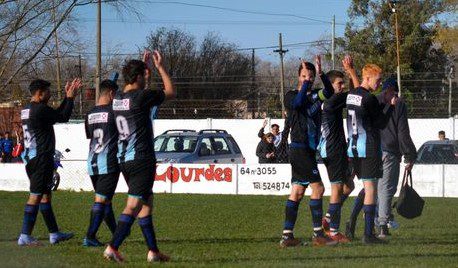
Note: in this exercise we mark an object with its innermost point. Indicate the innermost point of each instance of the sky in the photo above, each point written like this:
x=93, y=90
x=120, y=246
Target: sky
x=299, y=21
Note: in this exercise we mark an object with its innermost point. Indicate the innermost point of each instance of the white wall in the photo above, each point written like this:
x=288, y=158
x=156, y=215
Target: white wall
x=245, y=132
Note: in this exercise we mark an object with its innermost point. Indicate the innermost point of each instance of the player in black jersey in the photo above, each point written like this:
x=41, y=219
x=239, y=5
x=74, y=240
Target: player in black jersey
x=333, y=149
x=366, y=117
x=102, y=162
x=39, y=141
x=132, y=109
x=304, y=120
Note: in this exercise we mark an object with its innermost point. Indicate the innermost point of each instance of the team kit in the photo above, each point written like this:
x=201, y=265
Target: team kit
x=119, y=128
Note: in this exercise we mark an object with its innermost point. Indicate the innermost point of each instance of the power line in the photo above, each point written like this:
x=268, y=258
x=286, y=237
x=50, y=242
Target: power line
x=237, y=10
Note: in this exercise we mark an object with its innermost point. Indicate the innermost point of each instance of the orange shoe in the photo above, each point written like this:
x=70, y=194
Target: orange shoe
x=319, y=241
x=157, y=257
x=339, y=237
x=113, y=255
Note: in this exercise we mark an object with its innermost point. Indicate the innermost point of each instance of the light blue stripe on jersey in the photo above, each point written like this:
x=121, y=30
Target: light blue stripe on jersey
x=31, y=154
x=311, y=134
x=361, y=145
x=89, y=165
x=102, y=163
x=349, y=150
x=322, y=147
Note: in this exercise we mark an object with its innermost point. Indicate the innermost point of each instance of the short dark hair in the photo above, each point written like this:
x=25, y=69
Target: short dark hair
x=38, y=85
x=333, y=74
x=442, y=132
x=7, y=133
x=309, y=66
x=132, y=69
x=108, y=86
x=275, y=125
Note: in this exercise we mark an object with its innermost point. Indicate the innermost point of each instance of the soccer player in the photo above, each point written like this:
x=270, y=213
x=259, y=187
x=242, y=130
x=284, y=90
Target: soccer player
x=396, y=141
x=364, y=120
x=132, y=108
x=102, y=162
x=333, y=149
x=304, y=116
x=39, y=140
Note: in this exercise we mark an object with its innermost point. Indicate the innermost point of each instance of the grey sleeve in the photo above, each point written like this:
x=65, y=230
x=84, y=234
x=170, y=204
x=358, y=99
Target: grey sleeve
x=406, y=145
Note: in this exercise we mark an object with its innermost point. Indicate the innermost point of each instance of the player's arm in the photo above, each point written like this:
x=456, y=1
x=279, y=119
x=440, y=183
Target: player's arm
x=406, y=144
x=64, y=111
x=347, y=63
x=155, y=56
x=328, y=90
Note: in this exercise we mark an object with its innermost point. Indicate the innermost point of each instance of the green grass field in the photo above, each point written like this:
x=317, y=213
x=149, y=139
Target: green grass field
x=212, y=230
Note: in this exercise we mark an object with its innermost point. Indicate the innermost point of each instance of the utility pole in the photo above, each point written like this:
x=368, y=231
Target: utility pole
x=56, y=40
x=253, y=81
x=281, y=52
x=393, y=7
x=450, y=75
x=98, y=71
x=333, y=44
x=80, y=75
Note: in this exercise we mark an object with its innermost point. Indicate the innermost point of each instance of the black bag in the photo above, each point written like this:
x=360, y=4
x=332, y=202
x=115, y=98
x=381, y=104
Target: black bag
x=409, y=203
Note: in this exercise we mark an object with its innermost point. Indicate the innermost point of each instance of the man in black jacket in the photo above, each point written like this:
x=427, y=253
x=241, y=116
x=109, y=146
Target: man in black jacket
x=280, y=141
x=396, y=142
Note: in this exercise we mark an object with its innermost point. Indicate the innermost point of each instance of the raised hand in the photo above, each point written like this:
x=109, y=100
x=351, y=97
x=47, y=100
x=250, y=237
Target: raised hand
x=147, y=59
x=157, y=58
x=264, y=124
x=318, y=64
x=347, y=63
x=72, y=87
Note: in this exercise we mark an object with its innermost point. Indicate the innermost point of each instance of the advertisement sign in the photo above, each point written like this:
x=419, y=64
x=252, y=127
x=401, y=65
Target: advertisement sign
x=265, y=179
x=201, y=178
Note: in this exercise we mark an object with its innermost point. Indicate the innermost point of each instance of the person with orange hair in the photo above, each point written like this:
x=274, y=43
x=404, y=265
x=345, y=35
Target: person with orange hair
x=365, y=118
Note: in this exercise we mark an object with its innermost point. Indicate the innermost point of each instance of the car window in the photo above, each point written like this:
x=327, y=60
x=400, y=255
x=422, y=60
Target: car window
x=439, y=153
x=234, y=145
x=220, y=146
x=177, y=144
x=205, y=147
x=158, y=143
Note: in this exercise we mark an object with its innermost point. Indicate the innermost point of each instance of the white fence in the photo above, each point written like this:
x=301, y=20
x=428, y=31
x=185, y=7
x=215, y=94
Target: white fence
x=266, y=179
x=245, y=132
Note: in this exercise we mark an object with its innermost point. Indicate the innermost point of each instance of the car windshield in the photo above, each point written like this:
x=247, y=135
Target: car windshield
x=175, y=144
x=439, y=153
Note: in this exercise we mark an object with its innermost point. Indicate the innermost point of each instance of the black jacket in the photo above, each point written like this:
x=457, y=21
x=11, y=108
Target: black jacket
x=263, y=149
x=396, y=135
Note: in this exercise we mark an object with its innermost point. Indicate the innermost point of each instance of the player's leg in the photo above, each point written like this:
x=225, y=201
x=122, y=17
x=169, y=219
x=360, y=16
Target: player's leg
x=291, y=209
x=55, y=236
x=145, y=220
x=28, y=222
x=298, y=186
x=97, y=212
x=109, y=217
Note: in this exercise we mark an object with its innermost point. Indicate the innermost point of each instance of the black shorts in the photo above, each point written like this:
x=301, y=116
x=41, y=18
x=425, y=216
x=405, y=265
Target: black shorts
x=40, y=171
x=139, y=176
x=304, y=167
x=338, y=168
x=105, y=184
x=368, y=169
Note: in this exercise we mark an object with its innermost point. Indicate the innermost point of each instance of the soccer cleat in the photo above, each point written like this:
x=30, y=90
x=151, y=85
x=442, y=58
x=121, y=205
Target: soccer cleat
x=350, y=227
x=319, y=241
x=157, y=257
x=339, y=237
x=113, y=255
x=325, y=223
x=372, y=239
x=383, y=232
x=57, y=237
x=288, y=240
x=91, y=242
x=29, y=241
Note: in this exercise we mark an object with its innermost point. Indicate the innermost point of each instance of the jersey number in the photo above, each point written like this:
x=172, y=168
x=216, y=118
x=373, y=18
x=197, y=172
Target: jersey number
x=354, y=122
x=123, y=127
x=98, y=134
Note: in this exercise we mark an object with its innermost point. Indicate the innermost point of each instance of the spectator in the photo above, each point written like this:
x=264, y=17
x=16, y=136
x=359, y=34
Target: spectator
x=266, y=149
x=280, y=142
x=442, y=136
x=7, y=148
x=18, y=148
